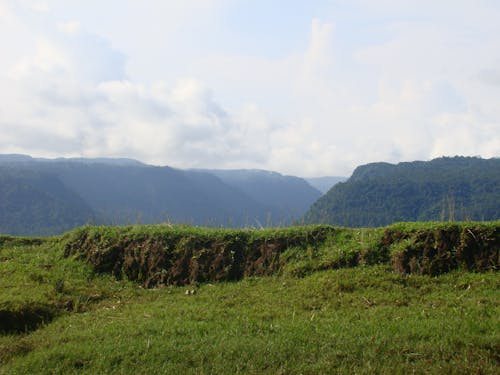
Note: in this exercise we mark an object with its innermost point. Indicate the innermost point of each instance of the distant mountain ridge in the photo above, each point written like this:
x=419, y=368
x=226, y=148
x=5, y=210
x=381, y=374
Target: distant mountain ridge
x=21, y=158
x=448, y=188
x=125, y=191
x=35, y=202
x=325, y=183
x=287, y=196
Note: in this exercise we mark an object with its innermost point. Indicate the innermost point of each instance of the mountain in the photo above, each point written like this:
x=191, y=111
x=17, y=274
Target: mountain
x=286, y=197
x=54, y=195
x=457, y=188
x=147, y=194
x=325, y=183
x=27, y=160
x=33, y=202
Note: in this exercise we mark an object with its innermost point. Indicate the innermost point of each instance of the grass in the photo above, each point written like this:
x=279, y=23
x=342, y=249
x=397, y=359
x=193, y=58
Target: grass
x=317, y=314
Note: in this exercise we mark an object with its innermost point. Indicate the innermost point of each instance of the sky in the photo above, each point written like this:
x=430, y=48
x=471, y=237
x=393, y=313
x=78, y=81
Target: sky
x=308, y=88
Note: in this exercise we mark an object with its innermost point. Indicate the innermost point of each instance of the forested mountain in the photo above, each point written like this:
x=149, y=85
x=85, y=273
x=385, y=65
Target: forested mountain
x=46, y=196
x=458, y=188
x=33, y=202
x=147, y=194
x=324, y=184
x=287, y=197
x=26, y=160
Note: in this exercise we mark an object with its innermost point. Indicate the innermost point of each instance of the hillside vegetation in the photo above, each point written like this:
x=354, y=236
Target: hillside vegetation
x=377, y=194
x=38, y=202
x=419, y=298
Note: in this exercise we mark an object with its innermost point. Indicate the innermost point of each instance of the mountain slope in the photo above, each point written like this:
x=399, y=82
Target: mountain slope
x=124, y=191
x=459, y=188
x=287, y=197
x=325, y=183
x=32, y=202
x=129, y=194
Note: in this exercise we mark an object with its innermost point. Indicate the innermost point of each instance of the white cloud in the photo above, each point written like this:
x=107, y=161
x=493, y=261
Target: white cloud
x=425, y=89
x=181, y=126
x=318, y=58
x=39, y=6
x=70, y=27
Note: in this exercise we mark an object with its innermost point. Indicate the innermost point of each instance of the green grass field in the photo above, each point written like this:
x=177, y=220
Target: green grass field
x=338, y=303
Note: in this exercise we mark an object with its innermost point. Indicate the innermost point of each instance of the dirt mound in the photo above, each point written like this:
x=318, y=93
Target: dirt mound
x=163, y=255
x=437, y=250
x=180, y=257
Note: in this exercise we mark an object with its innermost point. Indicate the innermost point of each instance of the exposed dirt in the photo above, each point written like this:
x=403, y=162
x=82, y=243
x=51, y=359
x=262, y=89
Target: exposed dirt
x=180, y=260
x=436, y=251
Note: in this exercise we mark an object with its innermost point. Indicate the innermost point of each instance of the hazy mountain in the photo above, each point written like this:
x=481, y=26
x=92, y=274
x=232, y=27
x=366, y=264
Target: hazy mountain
x=33, y=202
x=26, y=159
x=324, y=184
x=15, y=158
x=287, y=197
x=156, y=194
x=125, y=191
x=459, y=188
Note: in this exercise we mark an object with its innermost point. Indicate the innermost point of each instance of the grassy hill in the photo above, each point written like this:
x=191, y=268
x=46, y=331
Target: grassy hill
x=419, y=298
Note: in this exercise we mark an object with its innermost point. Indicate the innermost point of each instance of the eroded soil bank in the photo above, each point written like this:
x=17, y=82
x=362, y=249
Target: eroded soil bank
x=165, y=255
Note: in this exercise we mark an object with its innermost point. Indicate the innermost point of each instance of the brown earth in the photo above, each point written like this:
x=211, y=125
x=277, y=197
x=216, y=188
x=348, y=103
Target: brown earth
x=181, y=258
x=440, y=250
x=156, y=260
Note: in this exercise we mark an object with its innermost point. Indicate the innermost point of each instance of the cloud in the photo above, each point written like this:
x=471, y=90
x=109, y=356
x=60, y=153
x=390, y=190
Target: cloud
x=318, y=57
x=70, y=27
x=412, y=90
x=72, y=97
x=58, y=108
x=38, y=6
x=490, y=76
